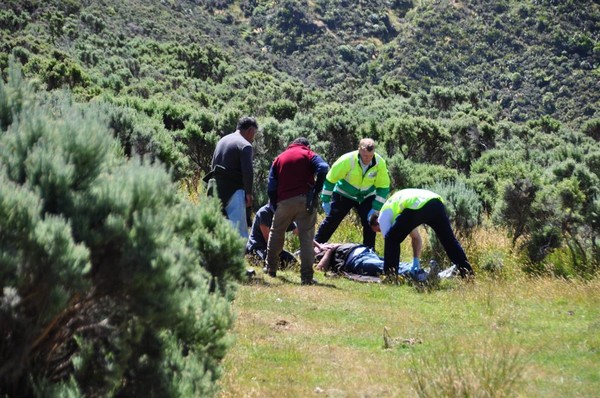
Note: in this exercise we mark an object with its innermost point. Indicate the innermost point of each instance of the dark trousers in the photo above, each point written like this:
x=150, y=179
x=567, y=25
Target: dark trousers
x=340, y=207
x=434, y=215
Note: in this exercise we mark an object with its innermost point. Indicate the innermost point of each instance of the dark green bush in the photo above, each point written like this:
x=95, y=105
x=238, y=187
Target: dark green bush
x=282, y=109
x=462, y=205
x=112, y=283
x=417, y=138
x=147, y=137
x=553, y=211
x=471, y=138
x=60, y=71
x=591, y=128
x=514, y=210
x=494, y=169
x=407, y=174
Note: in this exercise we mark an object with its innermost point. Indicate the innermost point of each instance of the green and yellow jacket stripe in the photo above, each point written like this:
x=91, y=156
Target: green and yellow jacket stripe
x=346, y=177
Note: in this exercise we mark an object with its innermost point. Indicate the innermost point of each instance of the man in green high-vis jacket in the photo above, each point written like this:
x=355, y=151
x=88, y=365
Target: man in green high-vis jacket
x=359, y=180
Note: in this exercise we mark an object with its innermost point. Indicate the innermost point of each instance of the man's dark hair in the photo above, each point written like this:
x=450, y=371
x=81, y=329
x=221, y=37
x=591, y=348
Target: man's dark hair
x=301, y=141
x=246, y=122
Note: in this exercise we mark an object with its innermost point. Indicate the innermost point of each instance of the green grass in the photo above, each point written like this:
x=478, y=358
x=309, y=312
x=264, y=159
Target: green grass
x=518, y=337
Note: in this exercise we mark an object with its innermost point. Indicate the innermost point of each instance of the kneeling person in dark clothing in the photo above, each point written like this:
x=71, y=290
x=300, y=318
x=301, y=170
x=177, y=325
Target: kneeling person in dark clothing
x=259, y=236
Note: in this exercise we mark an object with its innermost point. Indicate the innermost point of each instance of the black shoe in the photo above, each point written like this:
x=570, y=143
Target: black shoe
x=391, y=277
x=309, y=282
x=466, y=271
x=272, y=274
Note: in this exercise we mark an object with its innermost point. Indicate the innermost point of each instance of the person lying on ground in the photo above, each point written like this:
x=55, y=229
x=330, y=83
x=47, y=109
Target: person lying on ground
x=354, y=258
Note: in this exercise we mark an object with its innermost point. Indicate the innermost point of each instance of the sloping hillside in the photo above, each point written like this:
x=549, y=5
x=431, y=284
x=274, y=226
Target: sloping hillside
x=531, y=58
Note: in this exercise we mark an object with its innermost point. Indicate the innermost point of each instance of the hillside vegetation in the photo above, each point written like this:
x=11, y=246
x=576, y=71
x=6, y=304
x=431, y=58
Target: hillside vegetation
x=530, y=58
x=495, y=105
x=502, y=98
x=497, y=99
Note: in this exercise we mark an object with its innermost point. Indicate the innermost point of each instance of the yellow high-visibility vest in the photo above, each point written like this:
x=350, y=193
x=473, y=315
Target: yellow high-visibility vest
x=410, y=198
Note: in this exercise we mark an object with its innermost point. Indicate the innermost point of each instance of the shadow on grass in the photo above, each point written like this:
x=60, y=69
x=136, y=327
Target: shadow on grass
x=264, y=280
x=319, y=284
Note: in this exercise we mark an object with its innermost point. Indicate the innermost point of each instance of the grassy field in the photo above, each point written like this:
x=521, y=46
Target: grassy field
x=496, y=337
x=347, y=339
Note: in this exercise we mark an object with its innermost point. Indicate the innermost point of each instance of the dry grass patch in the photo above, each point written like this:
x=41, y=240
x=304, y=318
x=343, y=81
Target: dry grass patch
x=451, y=373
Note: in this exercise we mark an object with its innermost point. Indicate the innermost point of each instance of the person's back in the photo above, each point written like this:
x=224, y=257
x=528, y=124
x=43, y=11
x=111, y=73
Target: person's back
x=295, y=171
x=234, y=174
x=228, y=155
x=403, y=212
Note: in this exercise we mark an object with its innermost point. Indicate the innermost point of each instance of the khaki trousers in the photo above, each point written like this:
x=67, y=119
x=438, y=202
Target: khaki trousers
x=288, y=210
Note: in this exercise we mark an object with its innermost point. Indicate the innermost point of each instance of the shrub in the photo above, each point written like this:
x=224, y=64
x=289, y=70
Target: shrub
x=494, y=169
x=555, y=211
x=471, y=138
x=282, y=109
x=112, y=283
x=591, y=128
x=418, y=139
x=60, y=71
x=514, y=210
x=200, y=139
x=267, y=146
x=450, y=373
x=146, y=136
x=407, y=174
x=462, y=205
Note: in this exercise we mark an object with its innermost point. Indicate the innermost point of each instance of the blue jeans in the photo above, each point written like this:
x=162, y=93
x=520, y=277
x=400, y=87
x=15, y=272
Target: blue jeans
x=369, y=263
x=365, y=263
x=236, y=212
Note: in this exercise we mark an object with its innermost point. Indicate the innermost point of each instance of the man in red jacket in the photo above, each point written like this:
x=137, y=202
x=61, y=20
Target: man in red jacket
x=292, y=190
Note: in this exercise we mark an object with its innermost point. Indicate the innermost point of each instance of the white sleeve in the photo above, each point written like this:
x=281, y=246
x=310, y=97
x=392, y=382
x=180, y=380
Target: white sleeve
x=385, y=221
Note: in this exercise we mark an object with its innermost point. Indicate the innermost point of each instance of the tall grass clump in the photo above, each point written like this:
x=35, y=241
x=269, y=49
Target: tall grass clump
x=452, y=373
